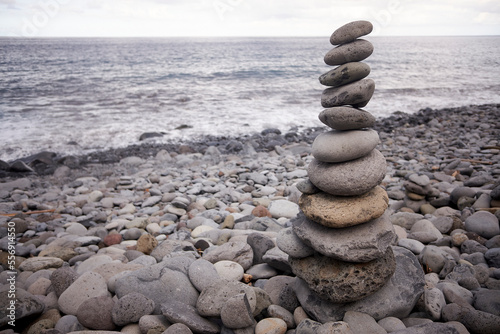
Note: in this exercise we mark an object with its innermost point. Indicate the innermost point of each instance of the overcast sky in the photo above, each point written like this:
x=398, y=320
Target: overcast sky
x=244, y=17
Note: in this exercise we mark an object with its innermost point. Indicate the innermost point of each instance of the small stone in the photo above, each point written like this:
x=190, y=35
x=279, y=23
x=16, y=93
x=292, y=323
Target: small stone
x=202, y=274
x=239, y=252
x=261, y=211
x=483, y=223
x=356, y=50
x=475, y=321
x=356, y=94
x=39, y=263
x=88, y=285
x=177, y=312
x=283, y=208
x=291, y=244
x=130, y=308
x=361, y=323
x=350, y=178
x=236, y=312
x=345, y=74
x=347, y=118
x=487, y=301
x=230, y=271
x=271, y=326
x=146, y=243
x=212, y=298
x=95, y=313
x=391, y=324
x=350, y=31
x=341, y=211
x=276, y=311
x=340, y=146
x=26, y=305
x=178, y=328
x=434, y=302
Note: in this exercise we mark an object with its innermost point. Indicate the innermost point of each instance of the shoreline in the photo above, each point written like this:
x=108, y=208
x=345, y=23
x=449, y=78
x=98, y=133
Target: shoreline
x=45, y=162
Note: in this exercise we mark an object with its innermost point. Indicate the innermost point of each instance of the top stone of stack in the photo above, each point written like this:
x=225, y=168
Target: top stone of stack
x=349, y=32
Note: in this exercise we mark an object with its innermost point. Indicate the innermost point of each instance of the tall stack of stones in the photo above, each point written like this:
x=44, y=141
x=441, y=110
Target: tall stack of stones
x=339, y=244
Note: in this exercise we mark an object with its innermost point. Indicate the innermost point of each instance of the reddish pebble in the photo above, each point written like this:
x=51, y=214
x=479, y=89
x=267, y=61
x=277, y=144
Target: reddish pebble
x=261, y=211
x=112, y=239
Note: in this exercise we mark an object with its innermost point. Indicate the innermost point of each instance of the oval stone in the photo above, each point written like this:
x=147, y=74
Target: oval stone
x=347, y=118
x=341, y=211
x=357, y=94
x=353, y=51
x=344, y=282
x=350, y=31
x=345, y=74
x=340, y=146
x=361, y=243
x=350, y=178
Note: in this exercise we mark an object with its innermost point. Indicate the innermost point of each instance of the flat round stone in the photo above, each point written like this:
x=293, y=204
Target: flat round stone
x=357, y=94
x=350, y=31
x=344, y=282
x=345, y=74
x=356, y=50
x=361, y=243
x=341, y=211
x=340, y=146
x=347, y=118
x=350, y=178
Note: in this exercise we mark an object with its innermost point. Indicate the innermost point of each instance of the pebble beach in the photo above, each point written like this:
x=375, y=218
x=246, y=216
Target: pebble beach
x=181, y=238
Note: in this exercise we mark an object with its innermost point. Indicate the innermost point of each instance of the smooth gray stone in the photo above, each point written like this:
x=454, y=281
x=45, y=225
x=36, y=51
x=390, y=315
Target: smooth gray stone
x=213, y=298
x=363, y=323
x=202, y=273
x=434, y=302
x=260, y=245
x=291, y=244
x=236, y=312
x=396, y=299
x=178, y=328
x=487, y=301
x=177, y=312
x=347, y=118
x=340, y=146
x=492, y=256
x=360, y=243
x=168, y=246
x=483, y=223
x=236, y=251
x=159, y=283
x=356, y=50
x=96, y=313
x=280, y=290
x=345, y=74
x=349, y=178
x=356, y=94
x=350, y=31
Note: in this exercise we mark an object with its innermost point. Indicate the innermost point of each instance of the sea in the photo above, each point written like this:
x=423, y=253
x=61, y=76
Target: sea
x=77, y=95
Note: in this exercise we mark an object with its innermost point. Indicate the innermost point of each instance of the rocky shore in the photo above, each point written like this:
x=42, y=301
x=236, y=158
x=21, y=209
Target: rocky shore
x=181, y=238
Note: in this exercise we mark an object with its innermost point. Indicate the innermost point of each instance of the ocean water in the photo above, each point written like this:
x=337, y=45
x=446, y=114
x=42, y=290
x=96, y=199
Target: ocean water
x=77, y=95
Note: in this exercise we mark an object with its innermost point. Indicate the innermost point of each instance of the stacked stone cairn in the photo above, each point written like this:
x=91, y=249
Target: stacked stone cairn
x=341, y=239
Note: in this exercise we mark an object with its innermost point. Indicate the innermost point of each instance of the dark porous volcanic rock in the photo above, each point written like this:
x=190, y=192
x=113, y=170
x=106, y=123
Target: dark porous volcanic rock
x=345, y=74
x=356, y=50
x=396, y=298
x=357, y=94
x=349, y=178
x=342, y=282
x=341, y=211
x=350, y=31
x=361, y=243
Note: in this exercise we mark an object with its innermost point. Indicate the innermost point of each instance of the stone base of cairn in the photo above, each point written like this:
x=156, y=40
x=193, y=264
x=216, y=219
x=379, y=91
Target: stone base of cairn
x=340, y=244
